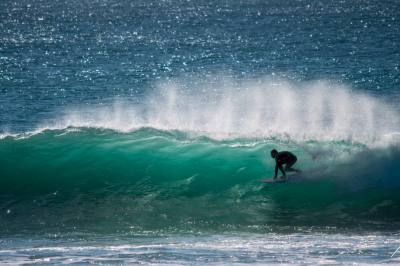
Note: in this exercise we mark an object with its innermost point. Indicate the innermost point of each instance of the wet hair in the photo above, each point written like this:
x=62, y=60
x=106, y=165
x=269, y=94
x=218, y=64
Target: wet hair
x=273, y=153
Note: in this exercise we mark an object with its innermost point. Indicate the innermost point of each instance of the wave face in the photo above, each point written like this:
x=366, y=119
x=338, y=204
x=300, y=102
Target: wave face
x=101, y=179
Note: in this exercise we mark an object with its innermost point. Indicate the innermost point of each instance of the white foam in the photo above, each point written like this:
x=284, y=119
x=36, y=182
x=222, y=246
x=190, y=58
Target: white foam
x=265, y=108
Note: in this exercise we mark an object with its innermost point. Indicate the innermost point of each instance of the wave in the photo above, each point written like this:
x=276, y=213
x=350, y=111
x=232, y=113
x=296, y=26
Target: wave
x=100, y=179
x=190, y=154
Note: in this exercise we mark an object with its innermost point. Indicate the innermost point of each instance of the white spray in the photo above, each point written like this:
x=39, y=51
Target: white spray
x=263, y=108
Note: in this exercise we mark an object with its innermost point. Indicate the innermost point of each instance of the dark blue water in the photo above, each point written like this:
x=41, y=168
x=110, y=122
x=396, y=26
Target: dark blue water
x=59, y=53
x=136, y=131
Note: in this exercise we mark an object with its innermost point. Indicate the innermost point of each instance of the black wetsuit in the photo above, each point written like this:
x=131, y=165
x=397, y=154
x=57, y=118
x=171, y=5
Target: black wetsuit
x=284, y=157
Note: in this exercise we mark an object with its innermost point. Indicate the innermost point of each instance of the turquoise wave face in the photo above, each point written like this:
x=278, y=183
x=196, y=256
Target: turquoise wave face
x=94, y=179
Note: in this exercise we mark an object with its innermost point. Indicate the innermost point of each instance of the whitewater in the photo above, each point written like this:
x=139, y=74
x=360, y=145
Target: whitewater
x=257, y=108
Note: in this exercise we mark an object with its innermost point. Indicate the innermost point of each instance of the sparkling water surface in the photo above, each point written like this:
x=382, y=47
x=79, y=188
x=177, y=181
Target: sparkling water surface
x=231, y=249
x=54, y=54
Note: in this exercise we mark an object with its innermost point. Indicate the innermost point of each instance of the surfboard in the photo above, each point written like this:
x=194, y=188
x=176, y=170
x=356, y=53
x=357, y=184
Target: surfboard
x=292, y=177
x=278, y=180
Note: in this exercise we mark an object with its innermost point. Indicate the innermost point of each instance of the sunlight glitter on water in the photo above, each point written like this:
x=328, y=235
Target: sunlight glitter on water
x=272, y=248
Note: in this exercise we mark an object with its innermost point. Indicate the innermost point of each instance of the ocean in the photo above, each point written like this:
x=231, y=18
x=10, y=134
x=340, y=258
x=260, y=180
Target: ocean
x=136, y=132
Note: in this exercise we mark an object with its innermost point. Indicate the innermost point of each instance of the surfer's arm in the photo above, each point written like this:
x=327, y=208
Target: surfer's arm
x=279, y=166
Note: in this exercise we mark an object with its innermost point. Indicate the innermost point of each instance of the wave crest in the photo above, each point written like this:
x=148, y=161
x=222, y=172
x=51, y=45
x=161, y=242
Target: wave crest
x=320, y=110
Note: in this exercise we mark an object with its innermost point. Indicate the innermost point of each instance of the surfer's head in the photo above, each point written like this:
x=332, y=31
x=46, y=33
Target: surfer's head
x=274, y=153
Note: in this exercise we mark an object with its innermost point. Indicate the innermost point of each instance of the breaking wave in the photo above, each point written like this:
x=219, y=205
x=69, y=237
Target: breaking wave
x=192, y=158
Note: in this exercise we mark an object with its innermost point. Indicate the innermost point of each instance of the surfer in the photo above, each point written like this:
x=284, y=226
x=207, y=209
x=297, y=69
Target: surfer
x=281, y=158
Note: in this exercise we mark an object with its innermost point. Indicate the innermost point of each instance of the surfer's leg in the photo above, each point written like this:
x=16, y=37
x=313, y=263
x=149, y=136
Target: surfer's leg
x=289, y=168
